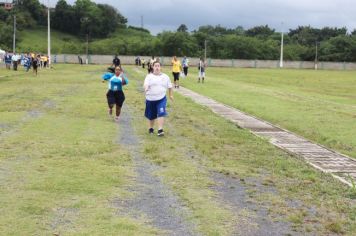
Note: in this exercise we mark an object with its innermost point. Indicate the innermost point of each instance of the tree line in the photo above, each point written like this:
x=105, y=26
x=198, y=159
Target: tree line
x=100, y=21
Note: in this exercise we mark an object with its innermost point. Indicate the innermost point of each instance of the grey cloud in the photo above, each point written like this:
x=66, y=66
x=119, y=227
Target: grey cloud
x=162, y=15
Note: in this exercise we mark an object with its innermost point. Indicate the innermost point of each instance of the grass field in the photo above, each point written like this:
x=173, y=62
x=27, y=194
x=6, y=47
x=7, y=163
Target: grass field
x=62, y=166
x=318, y=105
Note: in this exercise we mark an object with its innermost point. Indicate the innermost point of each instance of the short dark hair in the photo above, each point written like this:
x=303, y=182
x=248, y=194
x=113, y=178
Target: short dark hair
x=155, y=62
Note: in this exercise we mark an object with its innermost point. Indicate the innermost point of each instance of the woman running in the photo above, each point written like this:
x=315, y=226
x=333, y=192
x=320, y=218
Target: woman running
x=115, y=95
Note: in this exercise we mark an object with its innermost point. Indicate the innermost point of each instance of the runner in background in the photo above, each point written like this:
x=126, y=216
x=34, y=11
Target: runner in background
x=201, y=68
x=185, y=64
x=176, y=69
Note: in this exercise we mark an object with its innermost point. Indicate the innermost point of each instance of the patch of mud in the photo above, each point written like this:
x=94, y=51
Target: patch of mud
x=253, y=218
x=152, y=198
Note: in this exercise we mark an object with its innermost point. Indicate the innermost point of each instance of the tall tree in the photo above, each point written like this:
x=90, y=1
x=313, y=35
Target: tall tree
x=182, y=28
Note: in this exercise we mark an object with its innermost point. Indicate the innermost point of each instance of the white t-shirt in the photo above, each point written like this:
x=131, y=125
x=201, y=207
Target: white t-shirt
x=157, y=86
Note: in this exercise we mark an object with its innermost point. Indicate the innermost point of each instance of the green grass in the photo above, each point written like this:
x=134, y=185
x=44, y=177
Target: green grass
x=319, y=105
x=33, y=41
x=61, y=43
x=61, y=166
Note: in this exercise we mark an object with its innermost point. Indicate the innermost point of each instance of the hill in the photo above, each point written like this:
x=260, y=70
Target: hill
x=122, y=41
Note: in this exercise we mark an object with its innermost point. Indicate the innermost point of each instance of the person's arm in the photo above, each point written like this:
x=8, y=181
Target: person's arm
x=170, y=88
x=107, y=76
x=126, y=81
x=170, y=93
x=146, y=86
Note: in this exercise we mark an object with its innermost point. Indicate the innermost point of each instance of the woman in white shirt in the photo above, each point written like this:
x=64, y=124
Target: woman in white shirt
x=156, y=85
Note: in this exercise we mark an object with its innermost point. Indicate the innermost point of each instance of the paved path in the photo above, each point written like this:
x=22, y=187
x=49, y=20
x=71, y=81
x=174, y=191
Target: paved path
x=338, y=165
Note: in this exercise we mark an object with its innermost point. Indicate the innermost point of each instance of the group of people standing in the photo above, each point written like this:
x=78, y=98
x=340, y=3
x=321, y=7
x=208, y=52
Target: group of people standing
x=181, y=69
x=13, y=60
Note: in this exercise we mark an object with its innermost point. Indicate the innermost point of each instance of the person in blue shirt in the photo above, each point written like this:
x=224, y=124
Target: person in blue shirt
x=8, y=61
x=115, y=95
x=27, y=62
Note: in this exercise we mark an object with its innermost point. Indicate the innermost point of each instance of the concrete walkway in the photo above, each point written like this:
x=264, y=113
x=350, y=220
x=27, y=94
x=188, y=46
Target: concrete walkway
x=338, y=165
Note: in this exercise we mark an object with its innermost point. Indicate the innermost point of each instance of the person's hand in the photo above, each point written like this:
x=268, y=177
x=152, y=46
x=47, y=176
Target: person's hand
x=171, y=97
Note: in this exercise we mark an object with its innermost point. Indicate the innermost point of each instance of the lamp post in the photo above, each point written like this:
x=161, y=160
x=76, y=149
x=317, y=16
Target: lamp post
x=85, y=20
x=49, y=36
x=14, y=37
x=316, y=56
x=281, y=57
x=205, y=48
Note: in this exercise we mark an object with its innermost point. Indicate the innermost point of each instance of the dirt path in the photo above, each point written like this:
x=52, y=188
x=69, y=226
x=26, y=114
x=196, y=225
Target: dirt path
x=152, y=198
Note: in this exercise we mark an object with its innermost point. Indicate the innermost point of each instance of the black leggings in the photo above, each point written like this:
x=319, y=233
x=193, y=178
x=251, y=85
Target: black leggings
x=185, y=69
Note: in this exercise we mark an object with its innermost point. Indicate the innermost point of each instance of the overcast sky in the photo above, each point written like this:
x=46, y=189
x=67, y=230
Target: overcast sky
x=159, y=15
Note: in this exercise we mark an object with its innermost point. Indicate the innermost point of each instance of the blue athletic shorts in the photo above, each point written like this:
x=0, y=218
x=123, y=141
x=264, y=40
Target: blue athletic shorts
x=156, y=109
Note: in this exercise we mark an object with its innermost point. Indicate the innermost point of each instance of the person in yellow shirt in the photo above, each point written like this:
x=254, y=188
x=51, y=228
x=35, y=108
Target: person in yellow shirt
x=176, y=69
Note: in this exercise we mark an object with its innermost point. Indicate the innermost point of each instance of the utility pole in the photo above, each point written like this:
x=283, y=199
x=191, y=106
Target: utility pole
x=205, y=45
x=14, y=38
x=49, y=37
x=85, y=20
x=316, y=55
x=281, y=57
x=142, y=21
x=87, y=50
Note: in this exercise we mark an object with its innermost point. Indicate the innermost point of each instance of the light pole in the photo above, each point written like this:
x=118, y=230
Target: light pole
x=281, y=57
x=205, y=48
x=87, y=49
x=14, y=36
x=49, y=36
x=85, y=20
x=316, y=56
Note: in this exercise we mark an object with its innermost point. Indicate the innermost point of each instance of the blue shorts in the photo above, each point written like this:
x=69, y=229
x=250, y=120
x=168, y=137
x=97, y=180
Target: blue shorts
x=156, y=109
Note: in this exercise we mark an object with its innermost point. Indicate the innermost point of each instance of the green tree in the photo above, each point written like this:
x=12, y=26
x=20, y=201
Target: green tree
x=177, y=43
x=263, y=31
x=182, y=28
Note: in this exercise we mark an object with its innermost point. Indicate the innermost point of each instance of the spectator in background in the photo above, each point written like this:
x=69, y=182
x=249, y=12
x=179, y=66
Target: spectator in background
x=116, y=62
x=36, y=60
x=27, y=62
x=150, y=64
x=45, y=61
x=8, y=60
x=185, y=64
x=201, y=68
x=176, y=69
x=14, y=59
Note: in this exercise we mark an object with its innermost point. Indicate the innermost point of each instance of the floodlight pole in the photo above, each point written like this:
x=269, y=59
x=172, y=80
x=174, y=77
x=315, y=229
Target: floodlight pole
x=14, y=37
x=205, y=45
x=316, y=56
x=49, y=36
x=281, y=57
x=87, y=50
